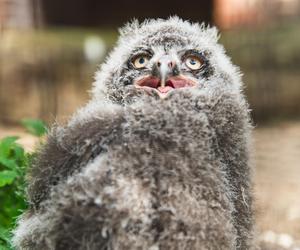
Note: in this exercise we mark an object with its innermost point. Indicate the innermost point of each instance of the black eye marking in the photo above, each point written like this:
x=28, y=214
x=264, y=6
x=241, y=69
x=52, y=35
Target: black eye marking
x=129, y=72
x=138, y=53
x=206, y=69
x=194, y=53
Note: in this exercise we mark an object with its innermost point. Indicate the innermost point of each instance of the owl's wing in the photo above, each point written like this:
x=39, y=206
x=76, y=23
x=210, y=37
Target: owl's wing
x=70, y=148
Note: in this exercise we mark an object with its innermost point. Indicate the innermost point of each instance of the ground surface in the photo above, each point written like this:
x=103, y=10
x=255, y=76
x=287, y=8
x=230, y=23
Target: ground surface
x=277, y=179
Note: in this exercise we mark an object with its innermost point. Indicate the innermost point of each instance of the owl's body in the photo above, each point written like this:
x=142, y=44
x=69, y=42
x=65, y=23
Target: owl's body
x=135, y=171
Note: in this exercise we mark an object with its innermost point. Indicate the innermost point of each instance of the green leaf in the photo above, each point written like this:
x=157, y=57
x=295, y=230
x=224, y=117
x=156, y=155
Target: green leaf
x=9, y=163
x=7, y=177
x=4, y=234
x=6, y=144
x=19, y=153
x=5, y=247
x=5, y=239
x=35, y=127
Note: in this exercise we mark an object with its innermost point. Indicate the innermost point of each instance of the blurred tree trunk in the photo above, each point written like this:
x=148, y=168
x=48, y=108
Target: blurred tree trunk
x=37, y=13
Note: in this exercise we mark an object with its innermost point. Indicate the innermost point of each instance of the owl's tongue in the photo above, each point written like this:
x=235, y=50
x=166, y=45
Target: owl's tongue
x=164, y=89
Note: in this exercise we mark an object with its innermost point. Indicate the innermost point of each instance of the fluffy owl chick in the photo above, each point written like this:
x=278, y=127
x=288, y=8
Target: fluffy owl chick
x=158, y=159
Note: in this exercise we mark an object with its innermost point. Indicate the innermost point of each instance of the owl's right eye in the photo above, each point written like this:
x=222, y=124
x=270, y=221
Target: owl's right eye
x=140, y=61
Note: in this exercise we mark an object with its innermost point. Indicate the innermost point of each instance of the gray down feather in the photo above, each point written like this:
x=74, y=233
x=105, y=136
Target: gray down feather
x=133, y=171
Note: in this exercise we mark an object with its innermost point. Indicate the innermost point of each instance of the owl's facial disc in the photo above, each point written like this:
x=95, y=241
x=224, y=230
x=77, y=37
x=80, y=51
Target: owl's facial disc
x=165, y=76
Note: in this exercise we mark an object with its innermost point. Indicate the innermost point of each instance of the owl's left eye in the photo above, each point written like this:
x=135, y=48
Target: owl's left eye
x=140, y=62
x=193, y=62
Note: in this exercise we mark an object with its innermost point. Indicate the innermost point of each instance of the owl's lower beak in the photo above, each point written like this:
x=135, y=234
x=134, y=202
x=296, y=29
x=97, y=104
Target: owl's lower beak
x=163, y=88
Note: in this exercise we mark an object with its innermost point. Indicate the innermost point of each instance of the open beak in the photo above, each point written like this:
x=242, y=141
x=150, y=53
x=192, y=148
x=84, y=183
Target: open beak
x=164, y=78
x=163, y=88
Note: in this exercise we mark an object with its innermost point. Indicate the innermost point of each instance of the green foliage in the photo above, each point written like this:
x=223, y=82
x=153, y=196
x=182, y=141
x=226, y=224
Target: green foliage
x=4, y=239
x=14, y=162
x=35, y=127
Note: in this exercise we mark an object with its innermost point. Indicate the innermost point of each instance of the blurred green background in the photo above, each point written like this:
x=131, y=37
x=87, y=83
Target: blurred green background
x=50, y=49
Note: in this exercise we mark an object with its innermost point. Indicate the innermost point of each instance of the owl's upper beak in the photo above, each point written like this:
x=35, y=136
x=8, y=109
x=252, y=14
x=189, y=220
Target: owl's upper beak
x=165, y=67
x=164, y=79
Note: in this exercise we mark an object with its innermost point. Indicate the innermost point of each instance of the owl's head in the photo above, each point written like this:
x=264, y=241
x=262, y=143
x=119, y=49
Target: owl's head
x=163, y=57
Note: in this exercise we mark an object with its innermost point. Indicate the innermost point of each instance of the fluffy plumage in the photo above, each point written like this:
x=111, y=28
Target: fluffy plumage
x=132, y=171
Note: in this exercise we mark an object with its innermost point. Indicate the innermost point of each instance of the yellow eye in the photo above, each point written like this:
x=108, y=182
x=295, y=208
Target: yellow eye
x=140, y=61
x=193, y=62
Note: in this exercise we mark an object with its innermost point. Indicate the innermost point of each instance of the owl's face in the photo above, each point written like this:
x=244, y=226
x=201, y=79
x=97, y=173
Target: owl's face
x=163, y=57
x=162, y=68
